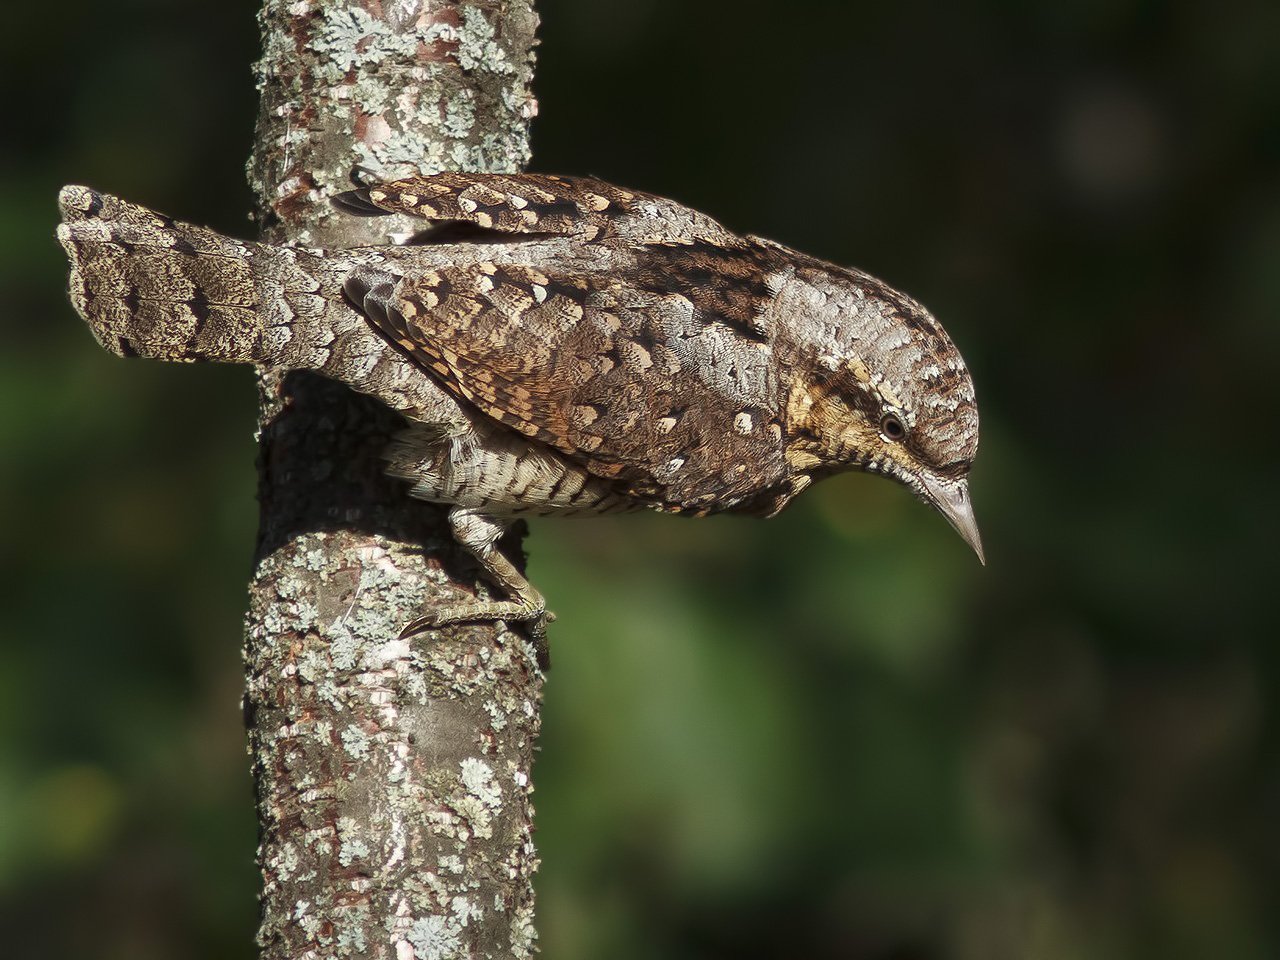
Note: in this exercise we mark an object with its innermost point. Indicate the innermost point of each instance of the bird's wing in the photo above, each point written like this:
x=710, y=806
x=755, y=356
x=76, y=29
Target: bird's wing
x=646, y=381
x=538, y=204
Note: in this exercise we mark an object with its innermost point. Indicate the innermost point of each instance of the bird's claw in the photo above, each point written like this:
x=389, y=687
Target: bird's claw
x=535, y=619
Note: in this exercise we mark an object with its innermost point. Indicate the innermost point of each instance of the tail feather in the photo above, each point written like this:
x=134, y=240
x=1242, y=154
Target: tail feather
x=150, y=286
x=153, y=287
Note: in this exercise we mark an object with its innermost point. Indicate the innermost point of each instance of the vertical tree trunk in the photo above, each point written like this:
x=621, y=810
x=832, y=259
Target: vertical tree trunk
x=393, y=777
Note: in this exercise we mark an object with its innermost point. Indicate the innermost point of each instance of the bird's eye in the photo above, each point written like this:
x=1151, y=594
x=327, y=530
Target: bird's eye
x=892, y=427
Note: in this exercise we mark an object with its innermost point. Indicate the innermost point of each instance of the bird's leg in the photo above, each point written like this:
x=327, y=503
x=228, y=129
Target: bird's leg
x=477, y=533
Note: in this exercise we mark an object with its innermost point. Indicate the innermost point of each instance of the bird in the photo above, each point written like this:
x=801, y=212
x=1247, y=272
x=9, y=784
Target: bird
x=558, y=346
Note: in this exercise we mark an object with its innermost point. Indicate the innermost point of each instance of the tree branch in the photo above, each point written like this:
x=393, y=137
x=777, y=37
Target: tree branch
x=393, y=777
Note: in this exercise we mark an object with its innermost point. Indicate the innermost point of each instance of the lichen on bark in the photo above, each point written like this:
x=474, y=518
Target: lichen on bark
x=393, y=776
x=395, y=87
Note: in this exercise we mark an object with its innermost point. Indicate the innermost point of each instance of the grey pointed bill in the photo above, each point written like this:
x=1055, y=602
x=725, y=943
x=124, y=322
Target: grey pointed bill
x=951, y=499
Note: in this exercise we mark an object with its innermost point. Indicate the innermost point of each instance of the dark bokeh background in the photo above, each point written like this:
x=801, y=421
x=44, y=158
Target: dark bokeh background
x=832, y=735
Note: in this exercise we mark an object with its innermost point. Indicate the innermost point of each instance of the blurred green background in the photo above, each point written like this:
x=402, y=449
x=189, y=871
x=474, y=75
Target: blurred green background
x=832, y=735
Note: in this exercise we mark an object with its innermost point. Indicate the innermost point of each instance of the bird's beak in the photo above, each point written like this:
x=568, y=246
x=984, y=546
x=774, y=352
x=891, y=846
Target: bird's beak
x=951, y=498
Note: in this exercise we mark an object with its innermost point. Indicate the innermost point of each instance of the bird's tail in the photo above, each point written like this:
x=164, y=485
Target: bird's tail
x=151, y=286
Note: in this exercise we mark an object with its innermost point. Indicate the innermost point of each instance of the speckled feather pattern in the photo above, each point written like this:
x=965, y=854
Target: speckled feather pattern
x=560, y=346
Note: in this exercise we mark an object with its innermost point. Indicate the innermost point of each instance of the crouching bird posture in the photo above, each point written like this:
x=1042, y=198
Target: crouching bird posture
x=559, y=346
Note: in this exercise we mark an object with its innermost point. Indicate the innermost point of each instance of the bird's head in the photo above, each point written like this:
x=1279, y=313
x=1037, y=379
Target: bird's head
x=886, y=391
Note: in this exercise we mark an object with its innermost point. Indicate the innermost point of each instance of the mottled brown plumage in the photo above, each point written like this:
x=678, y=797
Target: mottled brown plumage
x=559, y=346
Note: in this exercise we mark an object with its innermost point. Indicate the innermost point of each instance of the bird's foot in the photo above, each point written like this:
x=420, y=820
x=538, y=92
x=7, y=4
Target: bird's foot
x=534, y=616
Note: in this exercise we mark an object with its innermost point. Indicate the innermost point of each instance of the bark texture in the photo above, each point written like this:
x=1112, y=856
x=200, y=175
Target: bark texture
x=393, y=777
